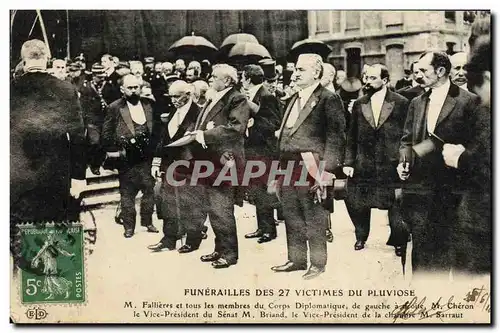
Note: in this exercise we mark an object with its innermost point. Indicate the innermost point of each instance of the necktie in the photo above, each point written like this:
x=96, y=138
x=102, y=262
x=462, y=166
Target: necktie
x=294, y=113
x=433, y=111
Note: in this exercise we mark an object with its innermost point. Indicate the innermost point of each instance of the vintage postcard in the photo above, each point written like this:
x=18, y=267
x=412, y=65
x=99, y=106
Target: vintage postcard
x=250, y=166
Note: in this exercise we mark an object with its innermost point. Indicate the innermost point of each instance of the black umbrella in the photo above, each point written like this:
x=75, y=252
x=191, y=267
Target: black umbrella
x=233, y=39
x=309, y=45
x=247, y=53
x=196, y=47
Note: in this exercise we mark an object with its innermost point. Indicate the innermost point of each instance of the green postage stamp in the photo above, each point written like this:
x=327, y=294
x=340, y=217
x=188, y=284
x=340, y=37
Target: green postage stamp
x=55, y=270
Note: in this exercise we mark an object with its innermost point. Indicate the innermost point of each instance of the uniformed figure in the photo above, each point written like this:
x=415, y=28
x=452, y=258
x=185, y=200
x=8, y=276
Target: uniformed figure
x=75, y=75
x=129, y=134
x=111, y=89
x=94, y=110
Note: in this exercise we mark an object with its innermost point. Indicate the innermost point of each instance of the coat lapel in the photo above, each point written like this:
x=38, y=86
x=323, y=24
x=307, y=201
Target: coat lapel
x=200, y=115
x=287, y=112
x=366, y=110
x=125, y=112
x=307, y=108
x=186, y=122
x=218, y=106
x=148, y=112
x=449, y=104
x=386, y=110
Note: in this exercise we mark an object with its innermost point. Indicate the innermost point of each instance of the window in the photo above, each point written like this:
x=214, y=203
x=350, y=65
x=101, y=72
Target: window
x=450, y=16
x=353, y=20
x=322, y=21
x=393, y=20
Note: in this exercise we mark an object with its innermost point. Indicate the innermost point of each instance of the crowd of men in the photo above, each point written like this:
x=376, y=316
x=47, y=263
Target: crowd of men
x=421, y=151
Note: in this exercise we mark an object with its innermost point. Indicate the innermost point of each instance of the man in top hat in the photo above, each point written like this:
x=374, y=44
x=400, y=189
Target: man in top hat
x=372, y=156
x=458, y=73
x=406, y=81
x=442, y=115
x=313, y=125
x=261, y=145
x=149, y=66
x=270, y=74
x=94, y=110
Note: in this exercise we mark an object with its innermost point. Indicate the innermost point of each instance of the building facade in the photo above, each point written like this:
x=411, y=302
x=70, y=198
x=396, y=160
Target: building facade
x=395, y=38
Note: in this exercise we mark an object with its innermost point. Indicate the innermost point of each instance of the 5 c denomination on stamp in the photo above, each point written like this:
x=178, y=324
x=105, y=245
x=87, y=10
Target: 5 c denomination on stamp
x=56, y=271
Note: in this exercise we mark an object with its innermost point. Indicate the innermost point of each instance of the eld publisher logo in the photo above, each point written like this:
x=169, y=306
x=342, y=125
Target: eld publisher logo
x=36, y=313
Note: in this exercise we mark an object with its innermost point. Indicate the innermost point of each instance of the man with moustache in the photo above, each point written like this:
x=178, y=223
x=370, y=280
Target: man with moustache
x=313, y=124
x=219, y=132
x=372, y=155
x=432, y=191
x=129, y=134
x=180, y=206
x=261, y=145
x=180, y=68
x=406, y=81
x=94, y=110
x=457, y=72
x=111, y=88
x=472, y=238
x=415, y=89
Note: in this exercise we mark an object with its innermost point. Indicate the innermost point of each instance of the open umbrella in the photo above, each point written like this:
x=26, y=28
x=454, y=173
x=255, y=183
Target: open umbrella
x=247, y=53
x=194, y=47
x=309, y=45
x=233, y=39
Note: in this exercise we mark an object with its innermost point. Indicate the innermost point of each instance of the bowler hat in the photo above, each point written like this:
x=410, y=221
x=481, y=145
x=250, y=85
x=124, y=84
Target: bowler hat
x=269, y=67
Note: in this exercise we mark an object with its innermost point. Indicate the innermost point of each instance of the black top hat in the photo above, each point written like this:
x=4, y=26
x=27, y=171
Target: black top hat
x=407, y=71
x=269, y=67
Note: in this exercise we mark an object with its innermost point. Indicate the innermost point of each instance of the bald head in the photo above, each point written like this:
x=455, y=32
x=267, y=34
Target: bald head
x=457, y=72
x=328, y=74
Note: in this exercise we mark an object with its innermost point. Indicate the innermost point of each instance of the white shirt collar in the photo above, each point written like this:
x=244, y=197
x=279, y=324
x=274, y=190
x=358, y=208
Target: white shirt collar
x=219, y=94
x=253, y=91
x=183, y=110
x=380, y=95
x=441, y=90
x=305, y=93
x=330, y=87
x=464, y=87
x=137, y=113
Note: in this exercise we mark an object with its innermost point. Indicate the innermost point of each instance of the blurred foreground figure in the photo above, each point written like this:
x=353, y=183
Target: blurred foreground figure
x=47, y=143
